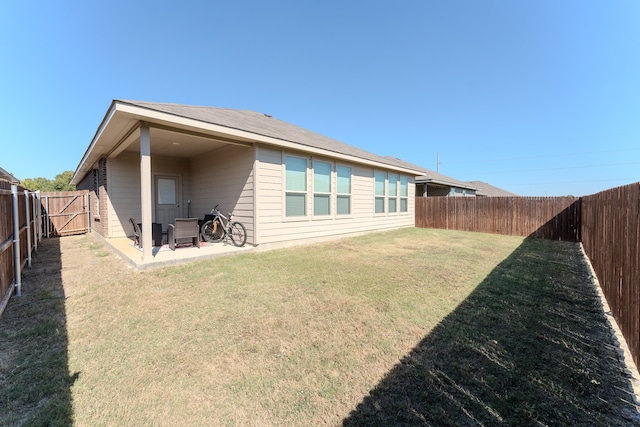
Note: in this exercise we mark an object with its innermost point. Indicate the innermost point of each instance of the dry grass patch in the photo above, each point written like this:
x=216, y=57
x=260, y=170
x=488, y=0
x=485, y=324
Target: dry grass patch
x=289, y=337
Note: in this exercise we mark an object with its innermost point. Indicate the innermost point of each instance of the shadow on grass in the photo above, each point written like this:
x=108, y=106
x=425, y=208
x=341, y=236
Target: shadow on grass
x=530, y=346
x=34, y=379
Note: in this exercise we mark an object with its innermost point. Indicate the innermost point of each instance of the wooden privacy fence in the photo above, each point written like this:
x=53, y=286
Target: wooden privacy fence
x=66, y=212
x=27, y=216
x=556, y=218
x=20, y=232
x=611, y=240
x=607, y=224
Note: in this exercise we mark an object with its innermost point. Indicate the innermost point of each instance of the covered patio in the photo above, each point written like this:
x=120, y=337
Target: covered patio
x=161, y=256
x=158, y=167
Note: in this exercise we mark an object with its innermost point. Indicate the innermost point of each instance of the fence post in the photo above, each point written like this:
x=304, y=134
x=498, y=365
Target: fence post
x=46, y=213
x=34, y=209
x=16, y=241
x=88, y=210
x=28, y=221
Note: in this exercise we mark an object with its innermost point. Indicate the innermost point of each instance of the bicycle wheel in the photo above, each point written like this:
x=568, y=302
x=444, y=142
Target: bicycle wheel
x=238, y=233
x=212, y=231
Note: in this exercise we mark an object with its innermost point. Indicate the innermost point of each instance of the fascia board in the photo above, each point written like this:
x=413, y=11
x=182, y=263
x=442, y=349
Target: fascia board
x=103, y=125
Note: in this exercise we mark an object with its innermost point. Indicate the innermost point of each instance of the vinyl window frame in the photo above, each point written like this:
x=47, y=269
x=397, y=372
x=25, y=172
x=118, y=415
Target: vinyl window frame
x=341, y=195
x=292, y=189
x=318, y=193
x=380, y=192
x=404, y=194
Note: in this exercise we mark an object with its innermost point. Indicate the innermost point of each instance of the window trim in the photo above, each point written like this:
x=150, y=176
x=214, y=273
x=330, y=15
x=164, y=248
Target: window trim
x=286, y=192
x=395, y=198
x=382, y=196
x=330, y=194
x=402, y=197
x=349, y=194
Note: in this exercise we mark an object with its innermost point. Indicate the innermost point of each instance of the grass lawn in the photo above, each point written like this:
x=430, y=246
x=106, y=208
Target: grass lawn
x=408, y=327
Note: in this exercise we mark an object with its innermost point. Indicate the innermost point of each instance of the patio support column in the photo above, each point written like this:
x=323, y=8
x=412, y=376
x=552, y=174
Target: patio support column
x=145, y=191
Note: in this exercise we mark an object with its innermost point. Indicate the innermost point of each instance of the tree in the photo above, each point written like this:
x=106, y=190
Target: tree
x=60, y=183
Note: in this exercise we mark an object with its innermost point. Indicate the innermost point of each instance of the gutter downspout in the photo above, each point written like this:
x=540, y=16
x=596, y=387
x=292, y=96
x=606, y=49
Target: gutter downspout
x=16, y=241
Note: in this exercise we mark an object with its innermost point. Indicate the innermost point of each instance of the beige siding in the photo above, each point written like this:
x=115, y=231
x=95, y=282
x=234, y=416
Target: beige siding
x=274, y=227
x=224, y=177
x=124, y=188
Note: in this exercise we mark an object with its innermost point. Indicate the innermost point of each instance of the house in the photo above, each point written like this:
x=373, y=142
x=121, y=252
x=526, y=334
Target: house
x=157, y=161
x=487, y=190
x=432, y=184
x=435, y=184
x=6, y=176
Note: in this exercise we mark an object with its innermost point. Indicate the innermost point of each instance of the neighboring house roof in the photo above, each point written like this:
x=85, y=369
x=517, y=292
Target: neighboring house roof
x=123, y=117
x=489, y=190
x=430, y=177
x=6, y=176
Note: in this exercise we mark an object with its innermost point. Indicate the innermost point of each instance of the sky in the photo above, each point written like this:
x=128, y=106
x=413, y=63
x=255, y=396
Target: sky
x=540, y=98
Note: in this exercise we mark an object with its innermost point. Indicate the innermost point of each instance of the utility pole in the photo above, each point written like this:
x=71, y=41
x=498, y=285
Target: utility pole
x=438, y=162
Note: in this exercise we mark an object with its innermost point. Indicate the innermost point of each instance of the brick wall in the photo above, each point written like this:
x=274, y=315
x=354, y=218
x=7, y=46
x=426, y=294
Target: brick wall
x=96, y=182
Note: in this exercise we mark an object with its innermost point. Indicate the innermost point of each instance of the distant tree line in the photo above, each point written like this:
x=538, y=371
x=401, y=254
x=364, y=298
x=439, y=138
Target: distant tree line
x=60, y=183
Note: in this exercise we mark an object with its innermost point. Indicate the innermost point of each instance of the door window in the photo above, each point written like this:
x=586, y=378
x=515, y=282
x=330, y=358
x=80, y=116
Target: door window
x=166, y=191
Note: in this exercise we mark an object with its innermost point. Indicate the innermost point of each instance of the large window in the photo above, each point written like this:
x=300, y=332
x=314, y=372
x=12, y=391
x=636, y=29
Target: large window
x=296, y=186
x=343, y=197
x=393, y=192
x=380, y=178
x=321, y=188
x=404, y=194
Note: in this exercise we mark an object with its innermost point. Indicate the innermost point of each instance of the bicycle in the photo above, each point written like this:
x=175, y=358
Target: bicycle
x=214, y=230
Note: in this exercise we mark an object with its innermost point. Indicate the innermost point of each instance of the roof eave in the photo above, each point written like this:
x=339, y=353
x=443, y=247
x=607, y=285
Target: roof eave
x=82, y=166
x=445, y=182
x=144, y=113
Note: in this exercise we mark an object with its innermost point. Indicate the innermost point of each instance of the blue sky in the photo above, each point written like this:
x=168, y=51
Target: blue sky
x=537, y=97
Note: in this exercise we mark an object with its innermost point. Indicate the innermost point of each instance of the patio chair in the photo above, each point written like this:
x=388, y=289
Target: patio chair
x=184, y=230
x=136, y=232
x=156, y=233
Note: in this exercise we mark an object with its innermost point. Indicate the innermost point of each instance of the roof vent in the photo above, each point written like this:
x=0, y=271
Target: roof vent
x=267, y=115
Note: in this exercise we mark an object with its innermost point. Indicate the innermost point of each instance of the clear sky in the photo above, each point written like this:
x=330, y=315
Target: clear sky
x=538, y=97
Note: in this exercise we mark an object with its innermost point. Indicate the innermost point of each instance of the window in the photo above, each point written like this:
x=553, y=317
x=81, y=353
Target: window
x=166, y=191
x=393, y=192
x=96, y=188
x=296, y=186
x=404, y=194
x=343, y=197
x=321, y=188
x=380, y=178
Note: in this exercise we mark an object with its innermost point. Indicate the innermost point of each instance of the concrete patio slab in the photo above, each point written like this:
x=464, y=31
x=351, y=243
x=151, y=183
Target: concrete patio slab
x=163, y=255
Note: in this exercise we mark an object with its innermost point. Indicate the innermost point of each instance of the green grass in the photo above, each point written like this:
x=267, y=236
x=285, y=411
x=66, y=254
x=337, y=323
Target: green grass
x=412, y=326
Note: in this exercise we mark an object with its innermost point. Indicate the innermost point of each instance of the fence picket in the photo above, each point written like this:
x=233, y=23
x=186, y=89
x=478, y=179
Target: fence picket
x=611, y=240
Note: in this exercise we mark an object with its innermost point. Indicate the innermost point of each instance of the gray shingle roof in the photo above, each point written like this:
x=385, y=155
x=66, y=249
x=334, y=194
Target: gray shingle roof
x=266, y=125
x=489, y=190
x=438, y=178
x=6, y=176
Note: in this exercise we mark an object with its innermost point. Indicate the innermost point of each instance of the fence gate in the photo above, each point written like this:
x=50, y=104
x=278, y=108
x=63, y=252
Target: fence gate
x=65, y=212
